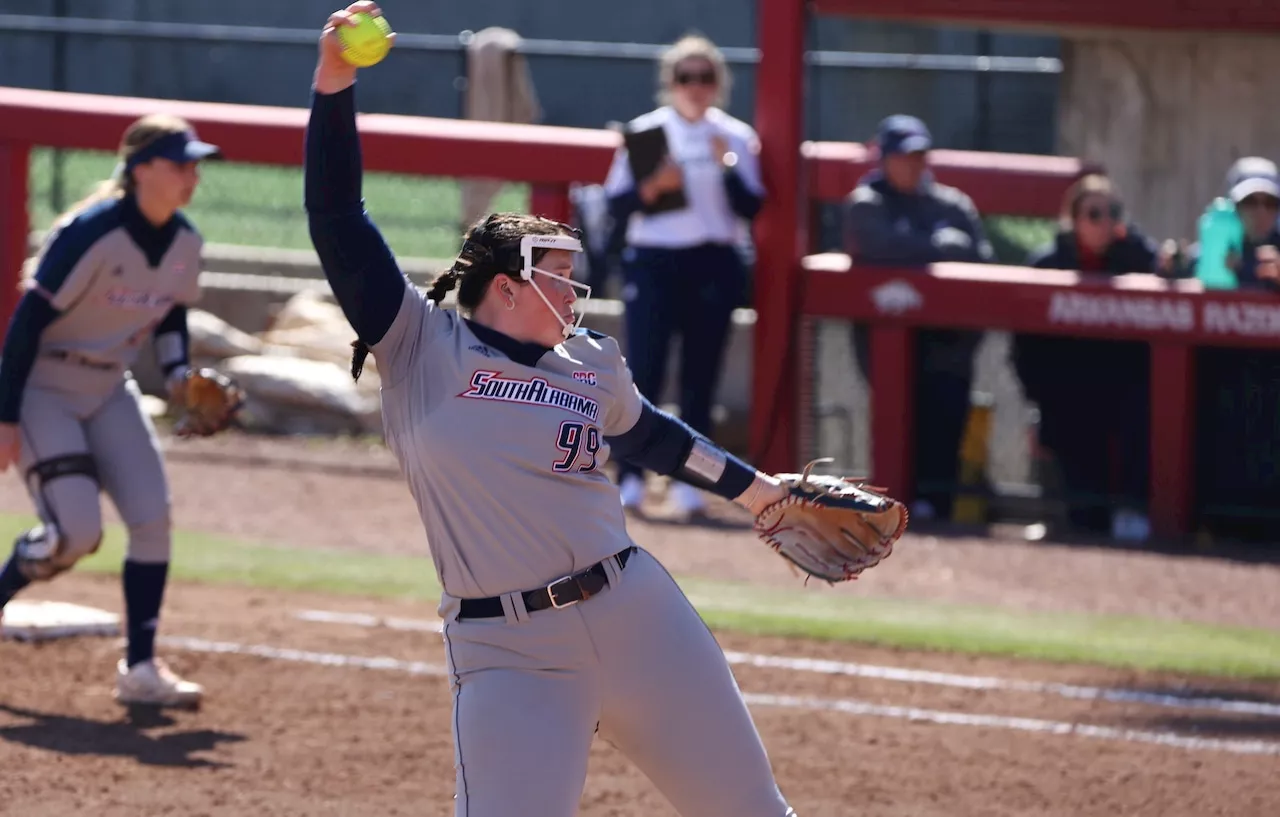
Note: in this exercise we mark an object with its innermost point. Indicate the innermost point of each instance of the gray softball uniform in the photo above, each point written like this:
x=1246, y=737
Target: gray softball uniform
x=105, y=280
x=557, y=626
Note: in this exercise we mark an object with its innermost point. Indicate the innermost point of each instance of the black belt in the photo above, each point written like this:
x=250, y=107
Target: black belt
x=561, y=593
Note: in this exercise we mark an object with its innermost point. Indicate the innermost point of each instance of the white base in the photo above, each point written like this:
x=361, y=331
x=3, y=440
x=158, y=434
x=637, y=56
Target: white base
x=47, y=620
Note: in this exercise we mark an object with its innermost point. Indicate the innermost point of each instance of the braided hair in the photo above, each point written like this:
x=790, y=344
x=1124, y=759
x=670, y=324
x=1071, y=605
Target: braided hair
x=491, y=247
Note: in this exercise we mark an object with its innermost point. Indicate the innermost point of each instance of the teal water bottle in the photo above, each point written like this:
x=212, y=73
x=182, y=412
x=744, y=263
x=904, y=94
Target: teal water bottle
x=1220, y=233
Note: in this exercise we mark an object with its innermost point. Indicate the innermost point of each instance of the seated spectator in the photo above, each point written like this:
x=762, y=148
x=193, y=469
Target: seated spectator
x=1254, y=186
x=1093, y=394
x=898, y=215
x=1238, y=451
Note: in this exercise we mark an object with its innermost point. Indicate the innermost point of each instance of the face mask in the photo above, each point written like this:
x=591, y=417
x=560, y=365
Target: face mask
x=528, y=244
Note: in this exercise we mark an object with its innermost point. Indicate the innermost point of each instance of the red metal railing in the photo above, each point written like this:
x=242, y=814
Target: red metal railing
x=798, y=173
x=550, y=159
x=1239, y=16
x=1174, y=317
x=1004, y=183
x=797, y=286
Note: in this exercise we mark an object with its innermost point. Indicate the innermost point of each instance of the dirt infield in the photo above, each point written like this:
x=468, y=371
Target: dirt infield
x=350, y=495
x=284, y=735
x=298, y=724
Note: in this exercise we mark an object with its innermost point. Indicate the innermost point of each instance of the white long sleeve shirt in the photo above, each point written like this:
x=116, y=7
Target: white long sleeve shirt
x=708, y=218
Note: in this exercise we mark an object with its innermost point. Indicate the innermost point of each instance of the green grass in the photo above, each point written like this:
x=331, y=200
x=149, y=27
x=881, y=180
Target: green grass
x=815, y=612
x=1119, y=641
x=1013, y=237
x=209, y=559
x=258, y=205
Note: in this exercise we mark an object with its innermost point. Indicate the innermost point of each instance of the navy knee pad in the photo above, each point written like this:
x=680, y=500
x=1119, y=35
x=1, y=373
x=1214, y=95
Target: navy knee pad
x=49, y=548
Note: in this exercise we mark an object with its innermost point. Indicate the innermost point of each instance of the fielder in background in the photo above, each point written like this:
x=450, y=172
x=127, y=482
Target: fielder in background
x=687, y=226
x=503, y=414
x=121, y=266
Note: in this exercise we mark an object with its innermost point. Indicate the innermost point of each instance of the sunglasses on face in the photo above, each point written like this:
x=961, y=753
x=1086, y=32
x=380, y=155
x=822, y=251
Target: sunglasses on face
x=707, y=77
x=1097, y=212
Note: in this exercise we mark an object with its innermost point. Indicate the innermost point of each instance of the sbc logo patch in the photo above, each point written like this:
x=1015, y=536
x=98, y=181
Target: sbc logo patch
x=585, y=377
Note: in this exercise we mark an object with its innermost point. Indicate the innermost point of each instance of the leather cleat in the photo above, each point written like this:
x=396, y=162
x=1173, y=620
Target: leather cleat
x=152, y=683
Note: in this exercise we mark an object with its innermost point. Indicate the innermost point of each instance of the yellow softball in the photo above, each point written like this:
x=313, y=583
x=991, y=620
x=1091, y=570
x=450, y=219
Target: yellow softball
x=365, y=43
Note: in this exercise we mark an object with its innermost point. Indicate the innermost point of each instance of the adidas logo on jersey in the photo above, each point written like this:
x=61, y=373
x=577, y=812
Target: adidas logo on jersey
x=535, y=391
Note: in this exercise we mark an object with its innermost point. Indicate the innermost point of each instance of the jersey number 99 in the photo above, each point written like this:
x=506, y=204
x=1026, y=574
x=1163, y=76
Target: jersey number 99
x=579, y=442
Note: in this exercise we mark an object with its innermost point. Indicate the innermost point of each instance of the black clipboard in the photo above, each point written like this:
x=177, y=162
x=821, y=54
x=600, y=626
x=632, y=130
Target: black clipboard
x=645, y=151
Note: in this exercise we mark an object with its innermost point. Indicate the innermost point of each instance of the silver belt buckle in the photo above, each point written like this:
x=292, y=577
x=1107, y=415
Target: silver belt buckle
x=551, y=593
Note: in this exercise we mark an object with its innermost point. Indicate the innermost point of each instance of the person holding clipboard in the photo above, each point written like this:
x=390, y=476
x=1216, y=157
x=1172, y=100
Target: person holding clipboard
x=686, y=186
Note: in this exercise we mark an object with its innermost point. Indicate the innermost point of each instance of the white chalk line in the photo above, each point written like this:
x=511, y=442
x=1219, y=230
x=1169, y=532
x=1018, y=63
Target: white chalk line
x=328, y=659
x=899, y=674
x=978, y=682
x=1057, y=728
x=366, y=620
x=845, y=706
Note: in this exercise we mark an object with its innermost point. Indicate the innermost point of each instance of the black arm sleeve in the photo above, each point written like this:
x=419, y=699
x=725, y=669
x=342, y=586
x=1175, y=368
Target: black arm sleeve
x=361, y=269
x=173, y=340
x=666, y=445
x=30, y=319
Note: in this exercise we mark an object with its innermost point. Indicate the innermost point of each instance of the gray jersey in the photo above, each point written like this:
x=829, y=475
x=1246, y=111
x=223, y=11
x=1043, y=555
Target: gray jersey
x=503, y=445
x=444, y=389
x=112, y=278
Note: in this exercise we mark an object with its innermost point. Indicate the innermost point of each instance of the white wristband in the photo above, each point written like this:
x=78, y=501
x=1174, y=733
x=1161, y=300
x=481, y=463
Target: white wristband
x=706, y=461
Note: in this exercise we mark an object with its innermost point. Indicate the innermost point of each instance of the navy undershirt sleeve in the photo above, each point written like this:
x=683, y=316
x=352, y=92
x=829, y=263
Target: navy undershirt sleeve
x=362, y=271
x=30, y=319
x=662, y=442
x=743, y=202
x=624, y=204
x=652, y=443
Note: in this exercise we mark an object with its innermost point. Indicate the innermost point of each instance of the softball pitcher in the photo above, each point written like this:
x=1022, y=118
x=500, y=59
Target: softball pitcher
x=503, y=415
x=120, y=266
